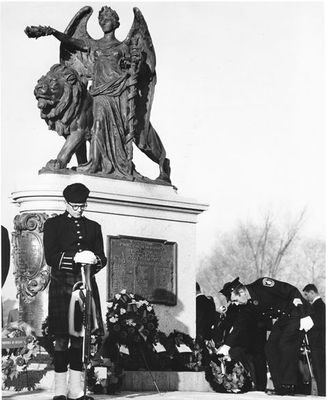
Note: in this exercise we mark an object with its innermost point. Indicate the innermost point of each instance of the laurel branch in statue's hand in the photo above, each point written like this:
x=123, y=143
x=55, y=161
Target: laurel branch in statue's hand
x=38, y=31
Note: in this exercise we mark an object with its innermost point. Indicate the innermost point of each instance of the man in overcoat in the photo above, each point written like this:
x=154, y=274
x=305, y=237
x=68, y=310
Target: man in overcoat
x=283, y=302
x=317, y=336
x=70, y=240
x=205, y=315
x=244, y=335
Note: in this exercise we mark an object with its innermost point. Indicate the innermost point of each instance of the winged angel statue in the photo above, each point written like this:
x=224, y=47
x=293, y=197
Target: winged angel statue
x=121, y=78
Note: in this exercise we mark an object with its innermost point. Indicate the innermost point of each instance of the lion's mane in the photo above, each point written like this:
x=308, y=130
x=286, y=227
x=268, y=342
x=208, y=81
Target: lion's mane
x=61, y=115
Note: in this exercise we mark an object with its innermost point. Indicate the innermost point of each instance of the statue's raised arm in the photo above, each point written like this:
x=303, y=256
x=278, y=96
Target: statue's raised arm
x=39, y=31
x=75, y=40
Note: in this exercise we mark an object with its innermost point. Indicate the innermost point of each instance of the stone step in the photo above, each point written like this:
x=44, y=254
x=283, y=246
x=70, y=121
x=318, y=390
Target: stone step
x=166, y=381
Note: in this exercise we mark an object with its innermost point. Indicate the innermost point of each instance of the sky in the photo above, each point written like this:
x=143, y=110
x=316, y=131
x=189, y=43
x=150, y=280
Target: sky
x=239, y=104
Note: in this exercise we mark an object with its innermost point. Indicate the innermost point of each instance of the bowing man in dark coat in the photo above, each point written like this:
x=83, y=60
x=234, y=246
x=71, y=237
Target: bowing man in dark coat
x=205, y=321
x=283, y=302
x=70, y=240
x=317, y=336
x=244, y=336
x=205, y=315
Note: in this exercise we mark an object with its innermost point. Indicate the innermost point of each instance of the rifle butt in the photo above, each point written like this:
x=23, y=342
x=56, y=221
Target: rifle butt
x=314, y=387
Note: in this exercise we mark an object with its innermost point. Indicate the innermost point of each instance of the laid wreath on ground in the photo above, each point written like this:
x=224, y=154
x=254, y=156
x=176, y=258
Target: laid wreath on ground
x=157, y=353
x=227, y=376
x=16, y=361
x=186, y=354
x=104, y=377
x=133, y=329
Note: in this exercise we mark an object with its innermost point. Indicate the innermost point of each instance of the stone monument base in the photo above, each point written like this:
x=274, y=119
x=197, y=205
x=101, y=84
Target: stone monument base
x=153, y=213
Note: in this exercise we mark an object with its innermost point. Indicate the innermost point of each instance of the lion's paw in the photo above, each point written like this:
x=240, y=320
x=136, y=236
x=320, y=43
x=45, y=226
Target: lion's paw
x=54, y=165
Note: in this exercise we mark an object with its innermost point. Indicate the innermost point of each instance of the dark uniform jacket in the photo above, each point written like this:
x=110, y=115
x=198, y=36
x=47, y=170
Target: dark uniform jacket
x=245, y=329
x=64, y=236
x=276, y=299
x=284, y=302
x=245, y=334
x=205, y=316
x=317, y=335
x=317, y=342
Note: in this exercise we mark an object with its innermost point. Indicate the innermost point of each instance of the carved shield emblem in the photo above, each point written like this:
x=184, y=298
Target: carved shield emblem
x=31, y=272
x=29, y=255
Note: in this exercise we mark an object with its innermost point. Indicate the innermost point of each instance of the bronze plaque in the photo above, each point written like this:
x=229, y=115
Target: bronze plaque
x=146, y=267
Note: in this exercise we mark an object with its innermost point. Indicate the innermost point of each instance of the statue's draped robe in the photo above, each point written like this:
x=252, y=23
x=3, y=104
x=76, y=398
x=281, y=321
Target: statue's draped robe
x=110, y=93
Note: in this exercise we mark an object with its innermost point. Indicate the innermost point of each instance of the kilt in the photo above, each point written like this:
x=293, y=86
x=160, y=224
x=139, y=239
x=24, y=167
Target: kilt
x=60, y=292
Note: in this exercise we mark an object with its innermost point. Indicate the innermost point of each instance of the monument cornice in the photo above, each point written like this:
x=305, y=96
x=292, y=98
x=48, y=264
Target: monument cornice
x=110, y=197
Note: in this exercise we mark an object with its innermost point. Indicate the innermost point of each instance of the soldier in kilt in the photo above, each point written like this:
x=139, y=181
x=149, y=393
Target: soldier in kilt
x=70, y=240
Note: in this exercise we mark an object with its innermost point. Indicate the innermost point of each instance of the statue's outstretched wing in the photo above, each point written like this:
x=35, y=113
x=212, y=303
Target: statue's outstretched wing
x=78, y=60
x=139, y=38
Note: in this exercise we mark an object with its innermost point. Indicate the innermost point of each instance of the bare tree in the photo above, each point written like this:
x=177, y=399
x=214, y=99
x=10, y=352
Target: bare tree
x=309, y=261
x=268, y=245
x=251, y=251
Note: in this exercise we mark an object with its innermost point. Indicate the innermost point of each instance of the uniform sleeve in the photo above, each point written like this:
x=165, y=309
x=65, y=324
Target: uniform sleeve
x=54, y=255
x=98, y=250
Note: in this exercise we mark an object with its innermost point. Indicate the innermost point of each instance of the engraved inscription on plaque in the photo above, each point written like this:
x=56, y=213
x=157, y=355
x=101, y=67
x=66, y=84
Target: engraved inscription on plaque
x=146, y=267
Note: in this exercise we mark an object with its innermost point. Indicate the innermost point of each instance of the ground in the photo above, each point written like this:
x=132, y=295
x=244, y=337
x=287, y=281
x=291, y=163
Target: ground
x=47, y=395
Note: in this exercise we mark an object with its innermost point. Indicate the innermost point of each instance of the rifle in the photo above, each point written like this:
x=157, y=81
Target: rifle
x=87, y=322
x=314, y=389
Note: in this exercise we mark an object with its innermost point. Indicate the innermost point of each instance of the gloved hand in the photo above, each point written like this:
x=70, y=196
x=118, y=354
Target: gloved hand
x=224, y=349
x=222, y=309
x=85, y=257
x=306, y=323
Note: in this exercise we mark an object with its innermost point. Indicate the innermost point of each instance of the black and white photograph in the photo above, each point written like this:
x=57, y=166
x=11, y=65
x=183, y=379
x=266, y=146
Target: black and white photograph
x=163, y=176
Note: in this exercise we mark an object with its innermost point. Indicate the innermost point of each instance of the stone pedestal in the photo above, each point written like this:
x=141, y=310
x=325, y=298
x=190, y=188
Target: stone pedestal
x=131, y=209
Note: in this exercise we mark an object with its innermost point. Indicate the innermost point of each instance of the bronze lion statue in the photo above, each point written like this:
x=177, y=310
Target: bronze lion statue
x=66, y=107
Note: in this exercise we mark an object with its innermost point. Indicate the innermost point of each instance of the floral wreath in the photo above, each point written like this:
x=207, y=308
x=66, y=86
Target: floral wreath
x=186, y=354
x=227, y=376
x=131, y=319
x=132, y=324
x=17, y=360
